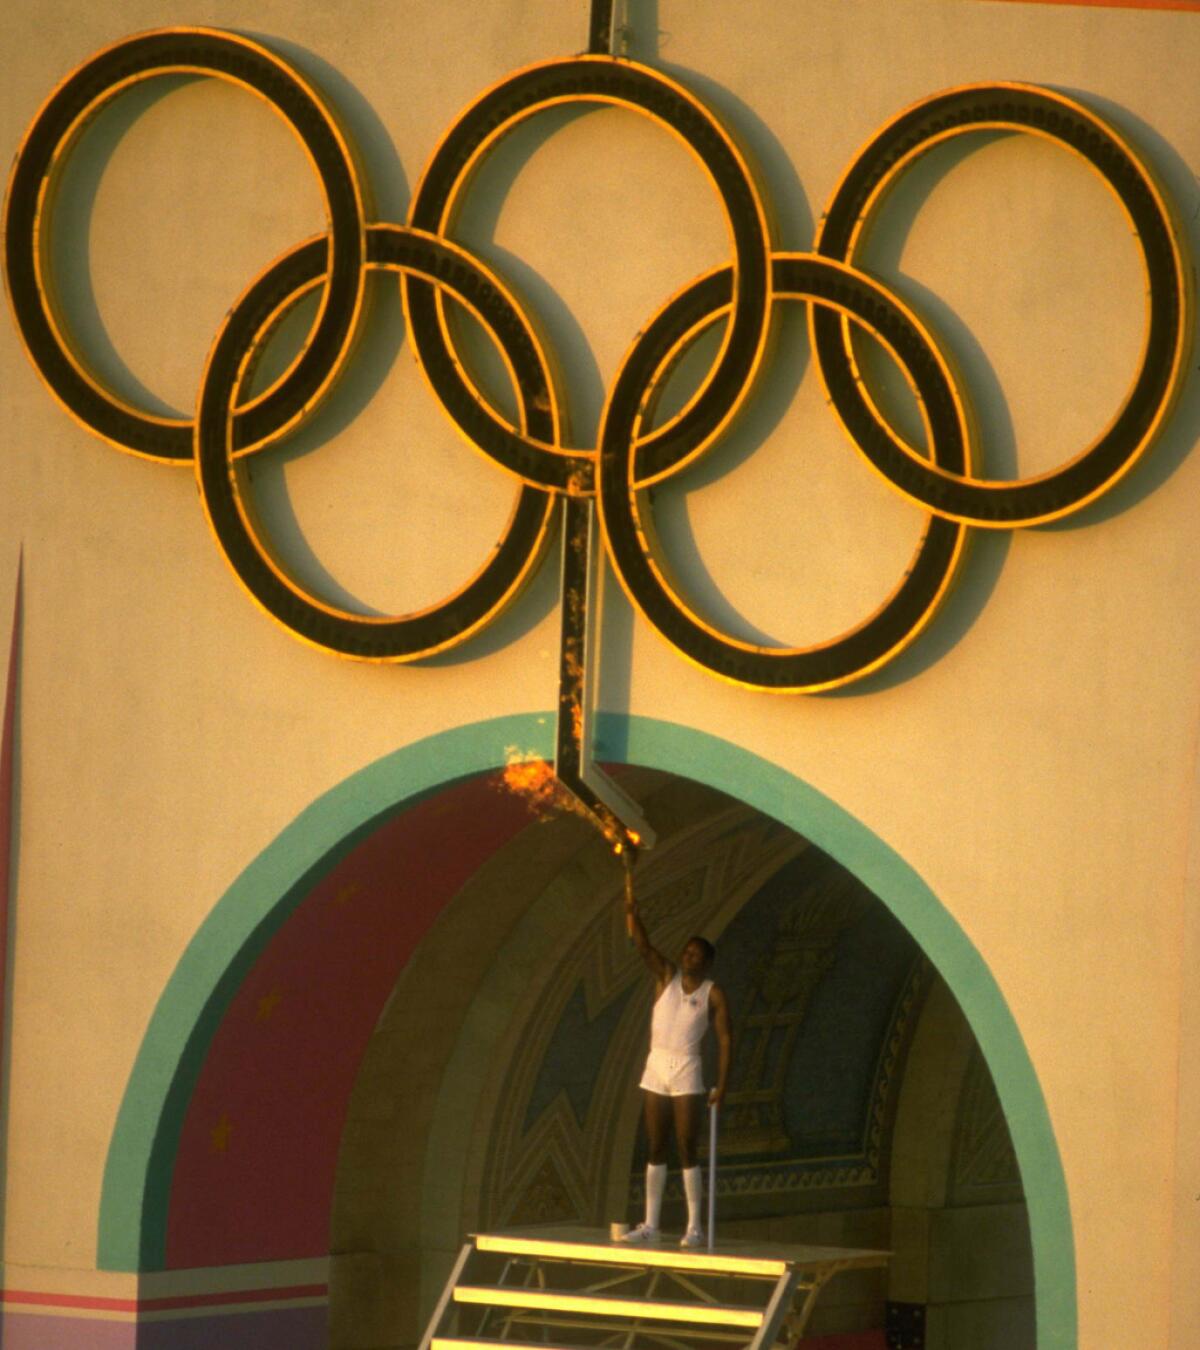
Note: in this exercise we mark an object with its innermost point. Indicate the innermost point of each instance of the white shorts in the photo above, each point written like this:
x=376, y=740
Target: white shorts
x=672, y=1075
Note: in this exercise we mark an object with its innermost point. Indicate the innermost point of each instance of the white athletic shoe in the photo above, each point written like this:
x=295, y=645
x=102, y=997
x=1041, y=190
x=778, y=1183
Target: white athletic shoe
x=692, y=1238
x=643, y=1235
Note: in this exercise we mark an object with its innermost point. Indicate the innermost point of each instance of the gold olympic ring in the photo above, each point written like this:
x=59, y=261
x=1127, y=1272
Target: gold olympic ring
x=598, y=80
x=409, y=252
x=826, y=286
x=43, y=154
x=1062, y=121
x=632, y=454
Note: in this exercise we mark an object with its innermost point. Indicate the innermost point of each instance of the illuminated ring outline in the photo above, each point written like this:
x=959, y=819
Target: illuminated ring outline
x=626, y=84
x=1043, y=113
x=236, y=60
x=628, y=523
x=336, y=261
x=367, y=637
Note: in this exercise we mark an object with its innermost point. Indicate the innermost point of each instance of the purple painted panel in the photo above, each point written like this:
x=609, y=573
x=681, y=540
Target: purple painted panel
x=31, y=1331
x=270, y=1329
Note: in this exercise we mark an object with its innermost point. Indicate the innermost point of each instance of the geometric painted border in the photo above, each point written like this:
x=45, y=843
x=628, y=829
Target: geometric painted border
x=133, y=1207
x=284, y=1306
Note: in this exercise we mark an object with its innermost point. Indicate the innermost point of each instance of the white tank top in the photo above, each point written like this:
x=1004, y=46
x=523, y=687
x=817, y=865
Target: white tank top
x=680, y=1020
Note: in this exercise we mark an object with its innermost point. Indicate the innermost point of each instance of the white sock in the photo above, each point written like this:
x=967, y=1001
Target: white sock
x=656, y=1183
x=693, y=1187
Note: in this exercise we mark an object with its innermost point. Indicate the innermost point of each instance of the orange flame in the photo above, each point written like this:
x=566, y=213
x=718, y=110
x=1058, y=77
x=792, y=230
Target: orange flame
x=529, y=776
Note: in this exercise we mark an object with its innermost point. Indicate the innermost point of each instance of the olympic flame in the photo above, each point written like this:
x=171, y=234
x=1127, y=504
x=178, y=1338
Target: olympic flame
x=527, y=775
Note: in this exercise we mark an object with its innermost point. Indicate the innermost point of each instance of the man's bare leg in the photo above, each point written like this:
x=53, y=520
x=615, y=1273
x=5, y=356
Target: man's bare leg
x=657, y=1111
x=689, y=1116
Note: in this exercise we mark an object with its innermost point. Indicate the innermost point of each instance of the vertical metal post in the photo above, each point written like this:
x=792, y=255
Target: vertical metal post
x=600, y=36
x=617, y=816
x=712, y=1175
x=577, y=548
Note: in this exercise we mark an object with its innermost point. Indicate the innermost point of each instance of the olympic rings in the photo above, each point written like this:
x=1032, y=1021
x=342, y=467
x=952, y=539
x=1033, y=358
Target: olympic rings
x=828, y=287
x=379, y=639
x=598, y=79
x=1016, y=107
x=226, y=56
x=632, y=453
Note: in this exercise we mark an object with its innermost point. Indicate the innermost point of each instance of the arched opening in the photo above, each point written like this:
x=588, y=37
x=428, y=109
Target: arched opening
x=498, y=1089
x=513, y=958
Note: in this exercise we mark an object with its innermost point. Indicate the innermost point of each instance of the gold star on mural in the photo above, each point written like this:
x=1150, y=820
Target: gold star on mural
x=348, y=892
x=219, y=1135
x=267, y=1005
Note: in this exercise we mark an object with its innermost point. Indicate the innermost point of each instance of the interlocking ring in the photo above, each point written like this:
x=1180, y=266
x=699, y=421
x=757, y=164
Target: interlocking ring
x=227, y=56
x=832, y=288
x=600, y=79
x=409, y=252
x=632, y=453
x=1044, y=113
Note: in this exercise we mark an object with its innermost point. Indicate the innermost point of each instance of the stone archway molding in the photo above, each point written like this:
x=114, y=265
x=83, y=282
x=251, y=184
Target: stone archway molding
x=140, y=1161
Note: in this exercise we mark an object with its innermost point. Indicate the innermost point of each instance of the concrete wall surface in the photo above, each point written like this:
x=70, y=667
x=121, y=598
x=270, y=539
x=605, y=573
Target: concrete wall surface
x=1032, y=757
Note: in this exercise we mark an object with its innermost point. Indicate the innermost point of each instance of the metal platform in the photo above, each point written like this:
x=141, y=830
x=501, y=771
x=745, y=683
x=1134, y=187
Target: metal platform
x=562, y=1288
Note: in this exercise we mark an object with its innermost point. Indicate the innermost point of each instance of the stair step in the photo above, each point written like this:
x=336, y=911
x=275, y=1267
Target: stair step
x=609, y=1305
x=724, y=1263
x=474, y=1343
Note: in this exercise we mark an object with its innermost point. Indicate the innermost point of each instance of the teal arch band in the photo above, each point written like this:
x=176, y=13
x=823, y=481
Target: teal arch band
x=137, y=1176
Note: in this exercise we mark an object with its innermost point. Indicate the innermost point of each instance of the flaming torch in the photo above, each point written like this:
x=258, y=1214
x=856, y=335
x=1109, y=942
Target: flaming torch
x=628, y=858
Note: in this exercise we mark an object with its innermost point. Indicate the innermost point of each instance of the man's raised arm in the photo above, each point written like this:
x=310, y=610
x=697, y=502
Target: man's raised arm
x=662, y=969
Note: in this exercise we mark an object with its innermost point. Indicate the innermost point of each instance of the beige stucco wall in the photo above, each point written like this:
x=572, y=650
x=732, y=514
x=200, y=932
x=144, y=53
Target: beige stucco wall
x=1033, y=758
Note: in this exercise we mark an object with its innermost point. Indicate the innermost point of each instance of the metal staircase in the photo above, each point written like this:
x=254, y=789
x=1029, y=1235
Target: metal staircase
x=567, y=1288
